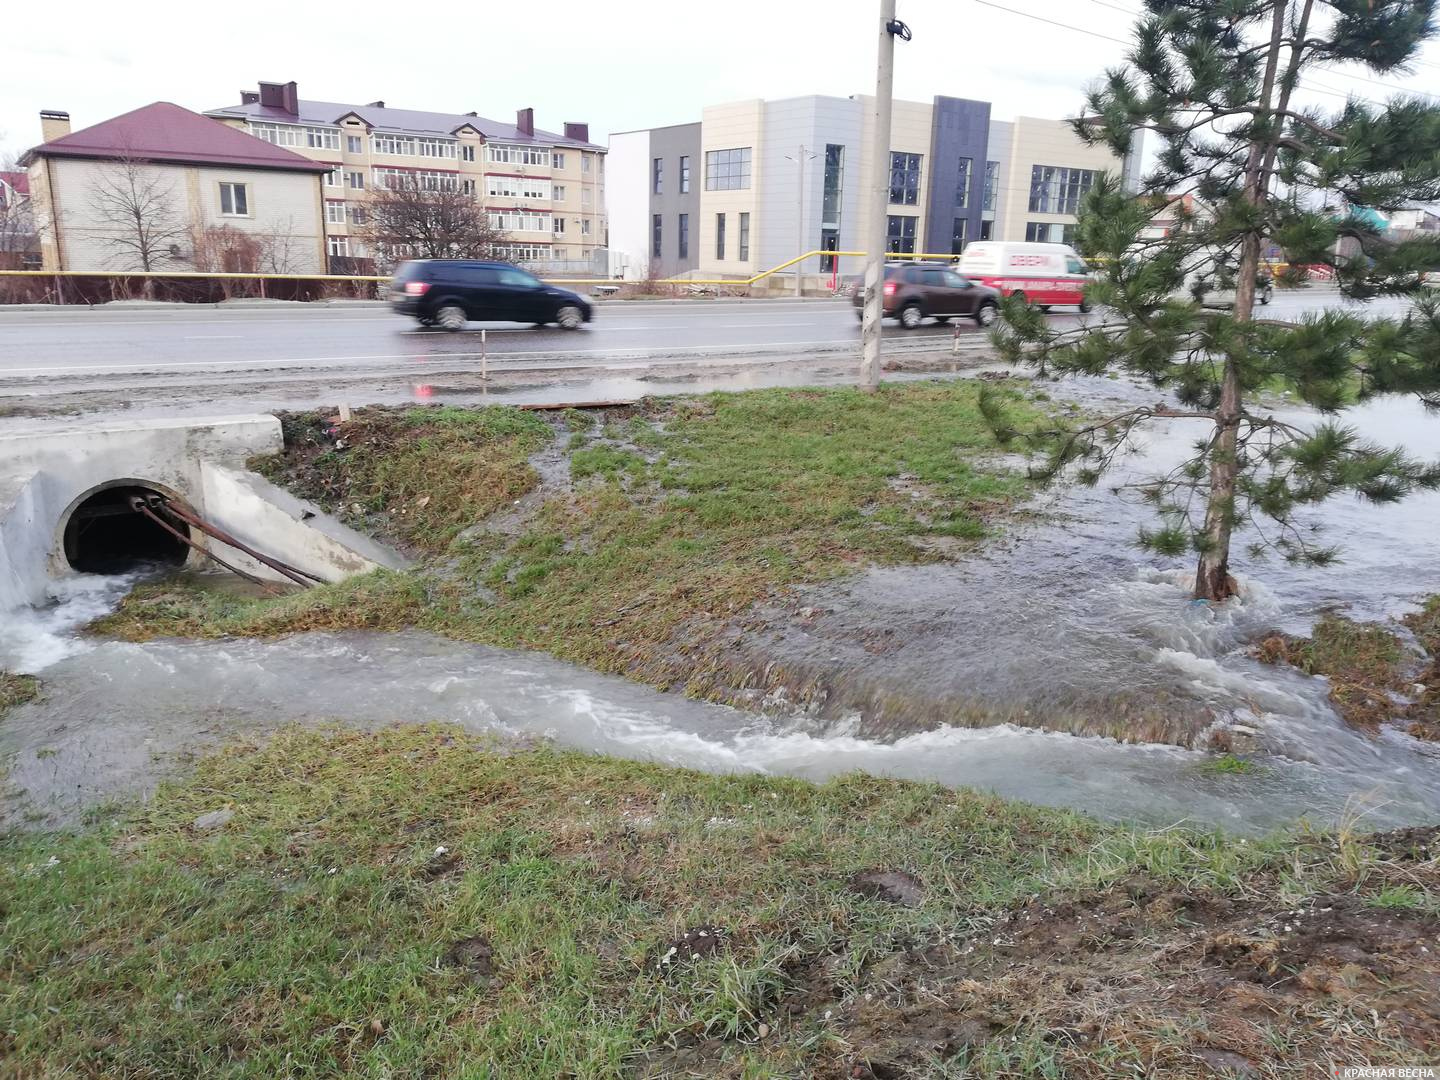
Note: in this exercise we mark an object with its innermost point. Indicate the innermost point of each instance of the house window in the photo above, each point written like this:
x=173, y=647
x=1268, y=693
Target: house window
x=684, y=236
x=585, y=162
x=1049, y=232
x=720, y=237
x=655, y=234
x=584, y=226
x=467, y=152
x=904, y=179
x=234, y=200
x=1058, y=190
x=522, y=253
x=437, y=148
x=279, y=134
x=962, y=184
x=333, y=177
x=355, y=180
x=834, y=181
x=957, y=235
x=992, y=184
x=335, y=213
x=559, y=190
x=392, y=144
x=900, y=234
x=559, y=161
x=520, y=221
x=684, y=175
x=354, y=144
x=727, y=170
x=657, y=174
x=339, y=246
x=517, y=187
x=467, y=186
x=587, y=197
x=322, y=138
x=744, y=237
x=517, y=155
x=559, y=226
x=356, y=213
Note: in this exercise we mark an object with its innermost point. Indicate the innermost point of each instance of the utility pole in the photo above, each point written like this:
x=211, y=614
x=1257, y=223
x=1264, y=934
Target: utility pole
x=890, y=28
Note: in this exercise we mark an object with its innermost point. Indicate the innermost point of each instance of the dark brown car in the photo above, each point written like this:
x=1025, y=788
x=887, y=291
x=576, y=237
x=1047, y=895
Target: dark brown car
x=914, y=292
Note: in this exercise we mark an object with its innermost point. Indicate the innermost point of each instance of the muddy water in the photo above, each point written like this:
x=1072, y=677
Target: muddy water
x=1063, y=617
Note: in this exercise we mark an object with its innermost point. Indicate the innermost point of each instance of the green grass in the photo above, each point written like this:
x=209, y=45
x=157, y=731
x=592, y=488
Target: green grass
x=316, y=933
x=1230, y=765
x=17, y=690
x=680, y=517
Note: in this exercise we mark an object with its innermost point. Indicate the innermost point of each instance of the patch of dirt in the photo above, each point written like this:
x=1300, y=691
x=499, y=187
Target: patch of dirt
x=891, y=886
x=475, y=957
x=692, y=945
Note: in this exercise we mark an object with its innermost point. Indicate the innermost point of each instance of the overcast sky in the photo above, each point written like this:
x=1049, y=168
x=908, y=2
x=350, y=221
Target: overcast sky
x=618, y=64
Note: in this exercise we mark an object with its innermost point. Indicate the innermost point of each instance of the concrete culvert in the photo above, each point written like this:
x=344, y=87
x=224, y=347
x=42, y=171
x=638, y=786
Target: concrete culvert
x=106, y=535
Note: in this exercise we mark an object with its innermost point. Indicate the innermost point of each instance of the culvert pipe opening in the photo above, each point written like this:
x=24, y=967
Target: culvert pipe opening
x=108, y=533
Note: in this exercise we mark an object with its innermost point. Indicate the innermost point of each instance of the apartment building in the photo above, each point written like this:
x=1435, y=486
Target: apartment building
x=545, y=191
x=770, y=179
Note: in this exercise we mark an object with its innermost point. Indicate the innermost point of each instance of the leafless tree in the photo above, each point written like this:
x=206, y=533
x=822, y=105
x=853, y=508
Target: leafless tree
x=408, y=219
x=19, y=231
x=224, y=249
x=136, y=203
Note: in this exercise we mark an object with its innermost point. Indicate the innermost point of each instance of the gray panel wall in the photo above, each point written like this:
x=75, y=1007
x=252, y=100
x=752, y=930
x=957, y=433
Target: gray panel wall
x=670, y=144
x=812, y=122
x=961, y=129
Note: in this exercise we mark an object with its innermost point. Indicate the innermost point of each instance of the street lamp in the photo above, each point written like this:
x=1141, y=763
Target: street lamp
x=801, y=156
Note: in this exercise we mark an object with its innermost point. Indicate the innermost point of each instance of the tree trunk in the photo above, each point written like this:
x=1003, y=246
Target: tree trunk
x=1212, y=576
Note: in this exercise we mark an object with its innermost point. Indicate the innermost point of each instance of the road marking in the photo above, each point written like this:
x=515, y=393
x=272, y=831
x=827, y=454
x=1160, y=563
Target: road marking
x=213, y=337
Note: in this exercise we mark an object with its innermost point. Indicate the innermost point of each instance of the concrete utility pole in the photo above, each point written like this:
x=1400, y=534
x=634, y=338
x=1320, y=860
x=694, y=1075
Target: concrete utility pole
x=879, y=196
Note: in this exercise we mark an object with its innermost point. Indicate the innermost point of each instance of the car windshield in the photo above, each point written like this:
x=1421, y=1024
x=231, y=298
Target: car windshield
x=511, y=275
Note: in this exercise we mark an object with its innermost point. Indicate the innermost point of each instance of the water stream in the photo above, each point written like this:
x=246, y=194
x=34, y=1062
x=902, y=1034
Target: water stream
x=1062, y=615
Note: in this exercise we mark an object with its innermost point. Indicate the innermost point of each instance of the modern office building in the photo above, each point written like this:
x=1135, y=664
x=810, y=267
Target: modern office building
x=545, y=191
x=757, y=182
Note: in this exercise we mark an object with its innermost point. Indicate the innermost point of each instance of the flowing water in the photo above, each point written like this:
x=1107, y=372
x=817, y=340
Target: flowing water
x=1063, y=616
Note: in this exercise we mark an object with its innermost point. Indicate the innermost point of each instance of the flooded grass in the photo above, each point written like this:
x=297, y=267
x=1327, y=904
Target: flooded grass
x=669, y=520
x=17, y=690
x=419, y=902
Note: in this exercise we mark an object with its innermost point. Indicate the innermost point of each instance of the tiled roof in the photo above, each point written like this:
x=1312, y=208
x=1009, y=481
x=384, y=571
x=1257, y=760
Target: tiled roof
x=166, y=132
x=409, y=121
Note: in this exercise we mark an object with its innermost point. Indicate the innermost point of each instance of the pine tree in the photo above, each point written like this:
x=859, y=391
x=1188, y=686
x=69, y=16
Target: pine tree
x=1216, y=81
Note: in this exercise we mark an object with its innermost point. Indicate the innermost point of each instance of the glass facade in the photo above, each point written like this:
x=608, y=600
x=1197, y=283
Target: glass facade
x=834, y=186
x=992, y=184
x=904, y=179
x=962, y=184
x=727, y=170
x=900, y=234
x=1058, y=190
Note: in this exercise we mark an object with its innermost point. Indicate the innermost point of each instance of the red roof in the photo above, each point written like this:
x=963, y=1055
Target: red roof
x=18, y=180
x=166, y=132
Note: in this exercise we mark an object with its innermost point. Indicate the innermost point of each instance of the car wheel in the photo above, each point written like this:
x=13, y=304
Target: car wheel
x=1086, y=307
x=425, y=320
x=569, y=317
x=451, y=317
x=1267, y=294
x=985, y=315
x=1045, y=308
x=911, y=316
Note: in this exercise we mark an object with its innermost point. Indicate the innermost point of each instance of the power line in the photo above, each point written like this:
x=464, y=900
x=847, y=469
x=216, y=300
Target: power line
x=1052, y=22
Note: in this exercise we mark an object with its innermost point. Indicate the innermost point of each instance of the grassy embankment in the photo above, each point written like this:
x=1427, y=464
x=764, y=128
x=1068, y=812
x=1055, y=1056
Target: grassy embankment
x=419, y=903
x=653, y=528
x=17, y=690
x=1374, y=678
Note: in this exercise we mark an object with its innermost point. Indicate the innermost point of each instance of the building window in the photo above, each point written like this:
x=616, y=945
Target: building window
x=587, y=197
x=339, y=246
x=904, y=179
x=392, y=144
x=467, y=152
x=355, y=180
x=727, y=170
x=1049, y=232
x=356, y=213
x=522, y=253
x=517, y=187
x=657, y=175
x=584, y=226
x=900, y=234
x=559, y=160
x=467, y=186
x=517, y=155
x=322, y=138
x=987, y=230
x=829, y=241
x=585, y=161
x=559, y=226
x=520, y=221
x=683, y=233
x=333, y=178
x=439, y=148
x=655, y=234
x=962, y=184
x=834, y=186
x=684, y=175
x=720, y=236
x=279, y=134
x=1058, y=190
x=559, y=190
x=992, y=184
x=234, y=200
x=957, y=235
x=744, y=237
x=335, y=213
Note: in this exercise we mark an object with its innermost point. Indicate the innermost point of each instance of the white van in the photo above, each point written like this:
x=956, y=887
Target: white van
x=1047, y=275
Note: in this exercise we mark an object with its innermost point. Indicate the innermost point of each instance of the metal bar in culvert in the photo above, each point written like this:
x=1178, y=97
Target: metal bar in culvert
x=138, y=505
x=296, y=575
x=484, y=355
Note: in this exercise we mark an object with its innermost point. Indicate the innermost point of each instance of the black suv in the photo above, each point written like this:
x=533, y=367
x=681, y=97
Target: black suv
x=913, y=291
x=451, y=292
